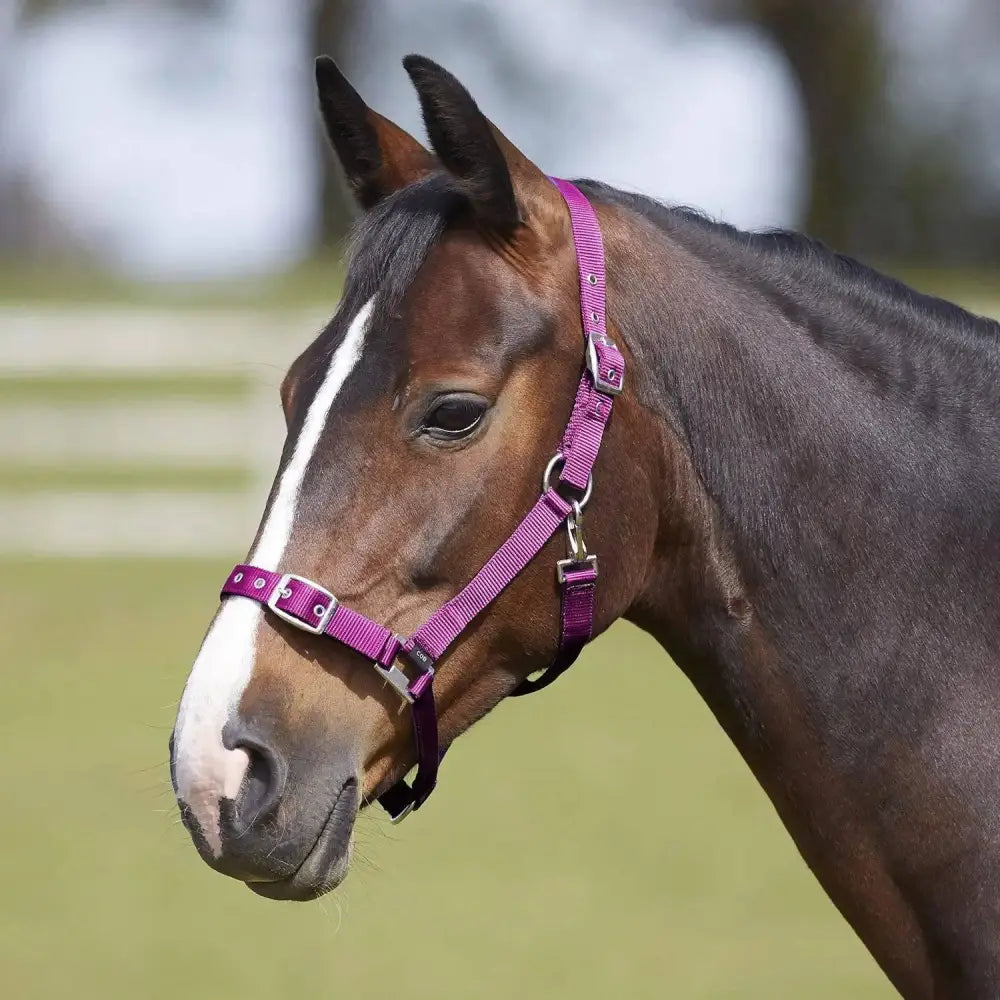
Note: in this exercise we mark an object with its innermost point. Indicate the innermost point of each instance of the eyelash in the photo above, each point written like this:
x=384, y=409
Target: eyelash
x=469, y=411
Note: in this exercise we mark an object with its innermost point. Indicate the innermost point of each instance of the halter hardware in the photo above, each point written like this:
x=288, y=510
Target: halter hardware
x=396, y=679
x=313, y=609
x=602, y=358
x=559, y=459
x=408, y=690
x=578, y=558
x=322, y=610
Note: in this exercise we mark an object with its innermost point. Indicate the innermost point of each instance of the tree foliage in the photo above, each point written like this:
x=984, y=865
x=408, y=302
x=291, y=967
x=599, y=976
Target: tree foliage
x=876, y=184
x=330, y=26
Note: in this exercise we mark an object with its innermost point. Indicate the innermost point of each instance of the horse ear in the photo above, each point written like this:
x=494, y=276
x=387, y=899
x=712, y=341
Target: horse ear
x=378, y=156
x=503, y=185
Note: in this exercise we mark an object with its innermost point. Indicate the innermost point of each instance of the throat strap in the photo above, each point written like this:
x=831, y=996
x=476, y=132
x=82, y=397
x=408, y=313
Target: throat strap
x=576, y=625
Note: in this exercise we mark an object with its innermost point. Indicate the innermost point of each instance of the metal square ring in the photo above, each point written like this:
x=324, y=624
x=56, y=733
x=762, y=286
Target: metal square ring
x=562, y=565
x=282, y=586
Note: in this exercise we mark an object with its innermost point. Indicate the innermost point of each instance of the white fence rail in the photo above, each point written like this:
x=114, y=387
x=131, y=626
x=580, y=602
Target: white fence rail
x=241, y=431
x=110, y=340
x=190, y=434
x=127, y=524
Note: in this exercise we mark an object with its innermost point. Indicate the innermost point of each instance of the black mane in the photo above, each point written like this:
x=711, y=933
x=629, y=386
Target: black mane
x=391, y=241
x=801, y=258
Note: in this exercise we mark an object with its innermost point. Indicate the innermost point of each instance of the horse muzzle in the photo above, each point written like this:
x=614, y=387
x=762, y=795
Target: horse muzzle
x=285, y=830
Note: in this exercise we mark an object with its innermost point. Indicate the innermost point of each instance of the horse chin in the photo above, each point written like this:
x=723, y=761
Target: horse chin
x=326, y=864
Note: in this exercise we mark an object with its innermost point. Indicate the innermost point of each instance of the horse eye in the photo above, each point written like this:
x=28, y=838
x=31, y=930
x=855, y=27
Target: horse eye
x=455, y=417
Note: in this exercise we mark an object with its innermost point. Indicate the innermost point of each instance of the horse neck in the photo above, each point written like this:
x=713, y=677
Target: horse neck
x=706, y=372
x=804, y=504
x=808, y=457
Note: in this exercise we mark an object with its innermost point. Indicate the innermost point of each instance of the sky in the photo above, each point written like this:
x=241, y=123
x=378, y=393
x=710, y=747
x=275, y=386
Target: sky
x=183, y=149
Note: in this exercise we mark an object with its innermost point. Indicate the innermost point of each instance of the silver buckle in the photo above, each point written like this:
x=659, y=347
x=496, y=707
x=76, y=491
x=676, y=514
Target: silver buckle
x=279, y=593
x=400, y=816
x=600, y=382
x=396, y=678
x=564, y=564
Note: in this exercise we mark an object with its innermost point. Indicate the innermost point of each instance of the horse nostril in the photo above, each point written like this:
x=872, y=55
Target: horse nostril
x=262, y=786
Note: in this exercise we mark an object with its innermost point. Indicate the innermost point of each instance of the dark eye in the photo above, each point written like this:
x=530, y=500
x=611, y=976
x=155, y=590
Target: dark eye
x=454, y=417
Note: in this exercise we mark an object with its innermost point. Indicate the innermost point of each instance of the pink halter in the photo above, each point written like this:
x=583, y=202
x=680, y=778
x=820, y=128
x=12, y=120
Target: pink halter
x=310, y=607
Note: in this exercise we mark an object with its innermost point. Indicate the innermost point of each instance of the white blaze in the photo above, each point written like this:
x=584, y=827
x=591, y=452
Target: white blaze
x=205, y=770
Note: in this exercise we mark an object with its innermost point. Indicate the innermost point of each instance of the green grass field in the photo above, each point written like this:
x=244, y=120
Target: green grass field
x=599, y=840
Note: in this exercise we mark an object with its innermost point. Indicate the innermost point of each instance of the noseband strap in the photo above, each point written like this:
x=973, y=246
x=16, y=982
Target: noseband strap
x=310, y=607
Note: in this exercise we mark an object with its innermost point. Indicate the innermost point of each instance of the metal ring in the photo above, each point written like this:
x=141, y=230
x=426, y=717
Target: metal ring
x=550, y=468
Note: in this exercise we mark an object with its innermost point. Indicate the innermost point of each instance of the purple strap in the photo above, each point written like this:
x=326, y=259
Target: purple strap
x=450, y=620
x=581, y=440
x=577, y=625
x=577, y=609
x=308, y=606
x=605, y=373
x=401, y=798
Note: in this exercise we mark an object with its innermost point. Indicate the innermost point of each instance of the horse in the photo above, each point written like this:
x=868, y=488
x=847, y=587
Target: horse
x=797, y=495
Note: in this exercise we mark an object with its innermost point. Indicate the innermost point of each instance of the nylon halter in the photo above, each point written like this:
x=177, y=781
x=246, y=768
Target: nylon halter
x=312, y=608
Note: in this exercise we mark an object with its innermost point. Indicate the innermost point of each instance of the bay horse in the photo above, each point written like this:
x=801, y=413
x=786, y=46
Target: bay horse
x=797, y=495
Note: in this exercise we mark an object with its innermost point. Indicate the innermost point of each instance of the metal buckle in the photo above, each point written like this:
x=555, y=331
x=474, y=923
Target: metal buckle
x=562, y=565
x=593, y=364
x=397, y=679
x=279, y=593
x=402, y=814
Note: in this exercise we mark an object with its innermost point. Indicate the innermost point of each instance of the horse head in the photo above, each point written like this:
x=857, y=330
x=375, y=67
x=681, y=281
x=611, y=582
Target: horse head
x=418, y=426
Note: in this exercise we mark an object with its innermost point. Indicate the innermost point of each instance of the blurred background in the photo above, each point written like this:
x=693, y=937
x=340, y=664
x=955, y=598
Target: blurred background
x=170, y=236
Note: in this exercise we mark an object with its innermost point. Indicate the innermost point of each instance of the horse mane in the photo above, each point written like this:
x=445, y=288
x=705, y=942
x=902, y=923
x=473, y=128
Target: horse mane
x=828, y=410
x=390, y=242
x=807, y=260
